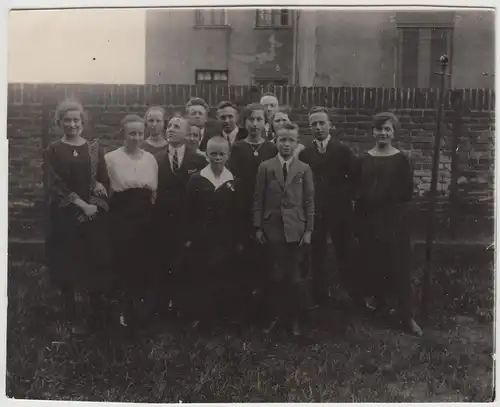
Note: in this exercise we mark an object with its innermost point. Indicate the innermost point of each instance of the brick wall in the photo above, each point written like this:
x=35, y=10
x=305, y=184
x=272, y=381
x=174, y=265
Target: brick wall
x=469, y=114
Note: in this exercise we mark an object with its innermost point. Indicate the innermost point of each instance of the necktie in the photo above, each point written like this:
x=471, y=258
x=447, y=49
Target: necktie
x=321, y=148
x=175, y=161
x=285, y=171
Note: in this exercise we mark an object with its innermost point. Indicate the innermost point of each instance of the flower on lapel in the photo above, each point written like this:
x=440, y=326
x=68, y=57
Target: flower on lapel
x=192, y=171
x=230, y=186
x=299, y=177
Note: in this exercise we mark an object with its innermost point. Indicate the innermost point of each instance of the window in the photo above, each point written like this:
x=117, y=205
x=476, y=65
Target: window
x=423, y=39
x=272, y=18
x=211, y=77
x=215, y=17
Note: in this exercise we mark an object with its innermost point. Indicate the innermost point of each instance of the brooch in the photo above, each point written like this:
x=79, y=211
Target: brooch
x=230, y=186
x=75, y=153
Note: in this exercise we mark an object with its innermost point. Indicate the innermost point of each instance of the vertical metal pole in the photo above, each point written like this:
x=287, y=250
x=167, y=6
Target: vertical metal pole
x=433, y=194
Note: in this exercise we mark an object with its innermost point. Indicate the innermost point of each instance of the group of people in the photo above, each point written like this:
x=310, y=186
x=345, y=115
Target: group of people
x=211, y=220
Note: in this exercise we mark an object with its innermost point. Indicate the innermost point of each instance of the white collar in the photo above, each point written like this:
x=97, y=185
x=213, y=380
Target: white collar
x=225, y=176
x=230, y=136
x=325, y=142
x=179, y=149
x=282, y=160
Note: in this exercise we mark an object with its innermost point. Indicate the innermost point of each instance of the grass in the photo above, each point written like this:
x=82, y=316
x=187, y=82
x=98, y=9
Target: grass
x=339, y=358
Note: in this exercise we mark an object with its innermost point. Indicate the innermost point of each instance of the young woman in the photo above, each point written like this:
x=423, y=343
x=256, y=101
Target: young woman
x=133, y=173
x=385, y=189
x=246, y=156
x=77, y=246
x=155, y=143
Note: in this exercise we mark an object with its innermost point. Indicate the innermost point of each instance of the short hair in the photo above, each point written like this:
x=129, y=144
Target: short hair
x=319, y=109
x=218, y=140
x=196, y=101
x=154, y=109
x=252, y=107
x=131, y=118
x=288, y=127
x=69, y=105
x=227, y=103
x=269, y=94
x=181, y=117
x=380, y=118
x=271, y=120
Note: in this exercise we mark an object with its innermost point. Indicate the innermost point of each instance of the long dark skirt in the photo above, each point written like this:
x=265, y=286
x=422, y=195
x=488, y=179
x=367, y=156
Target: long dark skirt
x=130, y=217
x=78, y=254
x=384, y=256
x=207, y=282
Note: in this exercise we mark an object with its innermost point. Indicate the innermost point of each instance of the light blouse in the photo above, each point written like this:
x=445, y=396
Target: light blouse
x=127, y=173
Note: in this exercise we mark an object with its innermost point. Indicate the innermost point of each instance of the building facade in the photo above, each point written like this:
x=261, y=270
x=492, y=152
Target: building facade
x=319, y=47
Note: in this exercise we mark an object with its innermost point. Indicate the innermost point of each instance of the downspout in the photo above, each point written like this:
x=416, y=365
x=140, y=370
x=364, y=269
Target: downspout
x=295, y=66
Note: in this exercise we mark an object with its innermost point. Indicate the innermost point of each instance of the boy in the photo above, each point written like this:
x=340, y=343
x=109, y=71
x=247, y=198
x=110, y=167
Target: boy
x=283, y=216
x=211, y=230
x=176, y=164
x=333, y=165
x=197, y=113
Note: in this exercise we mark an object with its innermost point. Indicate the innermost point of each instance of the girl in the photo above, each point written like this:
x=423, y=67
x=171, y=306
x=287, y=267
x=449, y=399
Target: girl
x=77, y=248
x=133, y=174
x=385, y=189
x=155, y=142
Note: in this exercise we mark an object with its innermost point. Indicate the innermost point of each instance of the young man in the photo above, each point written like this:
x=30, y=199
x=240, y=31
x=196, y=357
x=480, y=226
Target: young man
x=333, y=165
x=271, y=105
x=211, y=230
x=197, y=113
x=175, y=167
x=228, y=116
x=283, y=216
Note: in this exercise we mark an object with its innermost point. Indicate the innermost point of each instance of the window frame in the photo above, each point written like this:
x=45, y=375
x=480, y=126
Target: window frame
x=199, y=22
x=269, y=81
x=260, y=26
x=212, y=81
x=420, y=26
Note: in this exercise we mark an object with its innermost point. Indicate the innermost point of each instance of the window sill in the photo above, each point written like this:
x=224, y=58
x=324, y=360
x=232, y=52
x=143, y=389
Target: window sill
x=273, y=27
x=212, y=27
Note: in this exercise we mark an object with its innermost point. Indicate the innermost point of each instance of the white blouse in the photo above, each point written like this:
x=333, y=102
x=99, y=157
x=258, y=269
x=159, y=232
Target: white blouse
x=126, y=172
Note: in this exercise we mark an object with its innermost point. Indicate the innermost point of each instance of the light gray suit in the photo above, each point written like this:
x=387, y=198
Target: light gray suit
x=284, y=210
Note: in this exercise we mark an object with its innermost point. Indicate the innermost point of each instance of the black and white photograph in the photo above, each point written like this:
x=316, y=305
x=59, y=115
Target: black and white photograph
x=228, y=204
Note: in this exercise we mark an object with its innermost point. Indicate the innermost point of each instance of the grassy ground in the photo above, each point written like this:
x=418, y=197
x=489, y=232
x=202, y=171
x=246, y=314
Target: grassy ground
x=340, y=358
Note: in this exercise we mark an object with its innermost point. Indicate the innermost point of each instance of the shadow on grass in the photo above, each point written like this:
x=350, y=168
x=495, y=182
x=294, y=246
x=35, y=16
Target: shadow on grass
x=340, y=358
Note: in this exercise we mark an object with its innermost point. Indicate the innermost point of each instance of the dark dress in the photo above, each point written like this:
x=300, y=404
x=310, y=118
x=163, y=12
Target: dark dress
x=385, y=188
x=156, y=151
x=77, y=250
x=208, y=280
x=253, y=263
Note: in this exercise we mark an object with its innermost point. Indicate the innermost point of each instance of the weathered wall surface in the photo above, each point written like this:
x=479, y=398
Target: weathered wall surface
x=334, y=48
x=175, y=48
x=472, y=119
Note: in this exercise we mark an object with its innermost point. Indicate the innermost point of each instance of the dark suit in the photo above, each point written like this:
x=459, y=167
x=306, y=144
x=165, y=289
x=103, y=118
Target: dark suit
x=241, y=135
x=169, y=210
x=211, y=129
x=284, y=211
x=334, y=179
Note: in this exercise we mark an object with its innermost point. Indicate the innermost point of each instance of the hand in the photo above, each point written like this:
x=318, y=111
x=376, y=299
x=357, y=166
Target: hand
x=187, y=245
x=100, y=190
x=90, y=210
x=259, y=235
x=306, y=238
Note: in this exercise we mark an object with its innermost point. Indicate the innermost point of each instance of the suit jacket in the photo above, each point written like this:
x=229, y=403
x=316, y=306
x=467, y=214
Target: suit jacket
x=242, y=134
x=284, y=210
x=334, y=178
x=172, y=186
x=212, y=128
